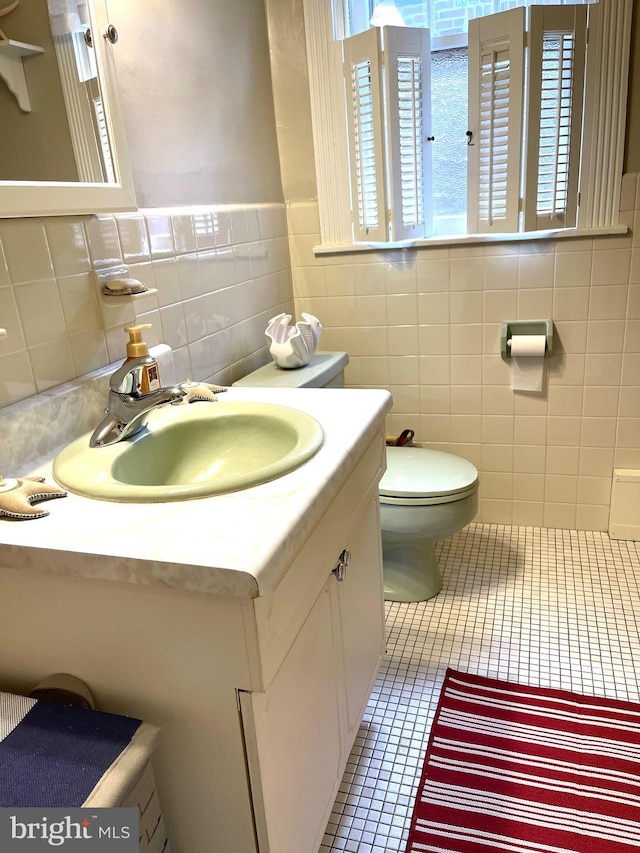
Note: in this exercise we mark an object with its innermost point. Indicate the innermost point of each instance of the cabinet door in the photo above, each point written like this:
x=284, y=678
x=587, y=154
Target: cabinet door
x=292, y=735
x=361, y=617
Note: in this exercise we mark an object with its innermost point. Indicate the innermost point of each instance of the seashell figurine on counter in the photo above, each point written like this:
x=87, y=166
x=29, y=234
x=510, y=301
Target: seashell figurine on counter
x=293, y=346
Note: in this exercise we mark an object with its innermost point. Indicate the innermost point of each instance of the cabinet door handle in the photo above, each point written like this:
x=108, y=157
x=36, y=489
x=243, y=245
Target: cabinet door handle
x=340, y=570
x=111, y=34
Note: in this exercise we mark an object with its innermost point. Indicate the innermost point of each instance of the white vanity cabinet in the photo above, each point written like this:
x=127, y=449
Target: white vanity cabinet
x=300, y=731
x=258, y=691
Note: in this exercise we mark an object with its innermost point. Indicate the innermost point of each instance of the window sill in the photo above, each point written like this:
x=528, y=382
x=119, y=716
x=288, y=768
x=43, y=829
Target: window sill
x=474, y=239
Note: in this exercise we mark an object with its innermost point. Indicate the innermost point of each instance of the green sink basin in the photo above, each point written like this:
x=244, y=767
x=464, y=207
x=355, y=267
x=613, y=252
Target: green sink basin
x=192, y=451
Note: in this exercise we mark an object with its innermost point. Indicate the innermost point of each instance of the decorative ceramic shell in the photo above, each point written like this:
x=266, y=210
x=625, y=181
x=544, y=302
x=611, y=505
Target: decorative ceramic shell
x=293, y=346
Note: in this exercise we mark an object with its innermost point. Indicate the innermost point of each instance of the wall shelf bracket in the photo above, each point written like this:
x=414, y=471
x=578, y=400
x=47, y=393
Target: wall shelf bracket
x=12, y=71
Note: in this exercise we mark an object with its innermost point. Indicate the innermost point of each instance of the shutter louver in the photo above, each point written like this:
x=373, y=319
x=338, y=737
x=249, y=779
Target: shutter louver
x=365, y=149
x=494, y=134
x=407, y=62
x=496, y=78
x=556, y=73
x=103, y=138
x=366, y=143
x=410, y=134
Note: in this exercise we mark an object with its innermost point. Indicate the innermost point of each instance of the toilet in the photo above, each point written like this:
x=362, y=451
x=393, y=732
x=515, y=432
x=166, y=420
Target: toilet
x=425, y=495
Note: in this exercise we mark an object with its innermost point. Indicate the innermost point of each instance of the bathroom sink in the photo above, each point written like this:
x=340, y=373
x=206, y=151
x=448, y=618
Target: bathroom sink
x=192, y=451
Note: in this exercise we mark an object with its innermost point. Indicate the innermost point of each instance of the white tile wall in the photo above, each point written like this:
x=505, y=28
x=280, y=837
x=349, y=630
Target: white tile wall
x=423, y=323
x=426, y=323
x=220, y=274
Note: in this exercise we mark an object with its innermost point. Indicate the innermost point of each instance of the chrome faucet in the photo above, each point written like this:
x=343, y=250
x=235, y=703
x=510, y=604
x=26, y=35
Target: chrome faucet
x=124, y=415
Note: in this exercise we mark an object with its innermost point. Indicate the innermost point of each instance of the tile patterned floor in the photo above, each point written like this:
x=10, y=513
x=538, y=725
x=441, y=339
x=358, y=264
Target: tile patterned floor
x=556, y=608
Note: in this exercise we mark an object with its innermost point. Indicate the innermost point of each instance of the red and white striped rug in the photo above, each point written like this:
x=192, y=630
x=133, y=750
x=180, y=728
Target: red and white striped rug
x=528, y=770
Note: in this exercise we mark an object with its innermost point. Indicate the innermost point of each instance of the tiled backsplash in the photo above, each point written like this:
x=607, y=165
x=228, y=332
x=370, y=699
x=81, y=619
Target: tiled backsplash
x=426, y=324
x=220, y=274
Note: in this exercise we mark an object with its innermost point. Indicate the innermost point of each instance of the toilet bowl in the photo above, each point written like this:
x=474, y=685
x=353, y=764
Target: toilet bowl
x=425, y=495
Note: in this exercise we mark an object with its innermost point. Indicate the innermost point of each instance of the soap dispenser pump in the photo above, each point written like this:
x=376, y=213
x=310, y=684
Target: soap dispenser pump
x=137, y=348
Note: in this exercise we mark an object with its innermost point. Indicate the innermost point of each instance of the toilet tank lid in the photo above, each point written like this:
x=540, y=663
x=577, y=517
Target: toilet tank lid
x=322, y=368
x=419, y=472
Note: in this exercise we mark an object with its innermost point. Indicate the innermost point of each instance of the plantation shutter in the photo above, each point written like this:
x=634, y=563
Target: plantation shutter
x=363, y=84
x=388, y=94
x=496, y=103
x=557, y=45
x=407, y=89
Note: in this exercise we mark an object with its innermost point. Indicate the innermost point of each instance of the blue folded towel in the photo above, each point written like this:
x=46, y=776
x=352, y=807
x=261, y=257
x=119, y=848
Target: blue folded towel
x=54, y=755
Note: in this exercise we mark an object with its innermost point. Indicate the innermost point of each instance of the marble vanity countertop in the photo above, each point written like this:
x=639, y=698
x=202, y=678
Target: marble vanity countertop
x=233, y=544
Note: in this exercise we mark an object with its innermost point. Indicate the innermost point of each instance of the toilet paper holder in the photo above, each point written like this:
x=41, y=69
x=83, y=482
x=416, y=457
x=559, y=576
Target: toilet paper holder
x=512, y=329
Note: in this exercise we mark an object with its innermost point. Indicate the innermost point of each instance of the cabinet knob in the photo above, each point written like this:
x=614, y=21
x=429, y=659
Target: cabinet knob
x=111, y=34
x=344, y=560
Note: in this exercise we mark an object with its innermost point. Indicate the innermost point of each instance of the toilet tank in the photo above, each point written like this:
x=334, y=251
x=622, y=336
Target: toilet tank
x=324, y=370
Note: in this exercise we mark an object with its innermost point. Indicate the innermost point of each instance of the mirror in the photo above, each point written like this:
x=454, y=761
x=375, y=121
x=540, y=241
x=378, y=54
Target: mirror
x=62, y=147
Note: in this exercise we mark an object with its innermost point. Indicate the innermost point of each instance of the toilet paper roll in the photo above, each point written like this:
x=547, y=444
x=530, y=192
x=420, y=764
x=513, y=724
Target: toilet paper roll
x=527, y=362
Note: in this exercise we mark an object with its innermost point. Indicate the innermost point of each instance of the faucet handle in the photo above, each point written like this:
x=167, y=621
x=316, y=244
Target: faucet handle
x=127, y=379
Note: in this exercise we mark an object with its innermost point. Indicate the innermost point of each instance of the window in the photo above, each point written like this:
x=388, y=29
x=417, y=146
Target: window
x=449, y=124
x=533, y=163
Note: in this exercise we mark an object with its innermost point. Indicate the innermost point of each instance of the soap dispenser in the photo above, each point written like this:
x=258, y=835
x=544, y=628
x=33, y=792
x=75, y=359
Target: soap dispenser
x=137, y=348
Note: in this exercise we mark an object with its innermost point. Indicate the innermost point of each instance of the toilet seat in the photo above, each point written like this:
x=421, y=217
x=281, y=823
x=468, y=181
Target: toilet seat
x=417, y=476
